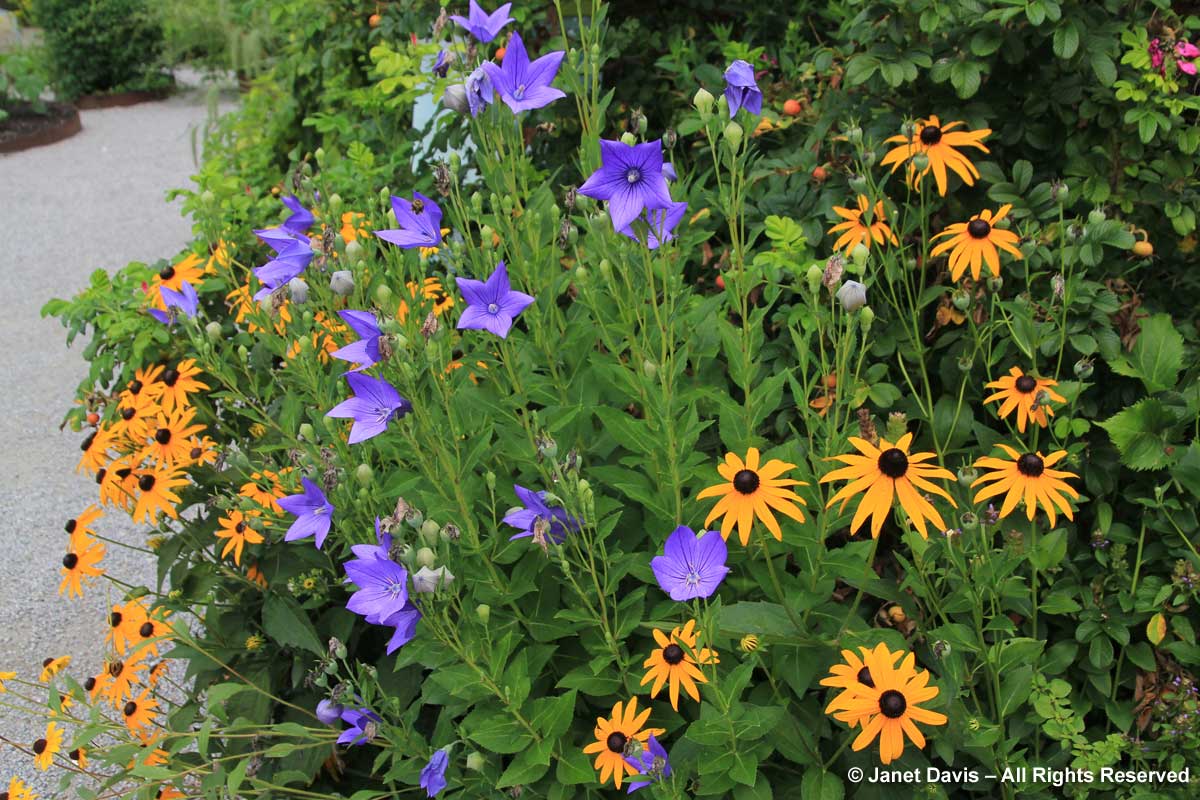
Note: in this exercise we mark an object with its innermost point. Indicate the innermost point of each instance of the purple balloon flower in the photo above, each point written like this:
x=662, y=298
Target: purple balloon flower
x=374, y=405
x=313, y=513
x=630, y=178
x=479, y=91
x=482, y=25
x=357, y=719
x=433, y=776
x=382, y=588
x=420, y=223
x=536, y=519
x=691, y=566
x=184, y=301
x=652, y=765
x=442, y=66
x=292, y=254
x=741, y=90
x=523, y=85
x=301, y=218
x=364, y=352
x=660, y=224
x=492, y=305
x=382, y=548
x=404, y=626
x=329, y=712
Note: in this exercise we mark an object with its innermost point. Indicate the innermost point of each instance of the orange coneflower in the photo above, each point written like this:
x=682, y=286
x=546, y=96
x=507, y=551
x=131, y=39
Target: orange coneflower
x=354, y=224
x=1022, y=393
x=118, y=483
x=80, y=565
x=53, y=666
x=95, y=449
x=253, y=573
x=146, y=382
x=47, y=747
x=936, y=142
x=139, y=712
x=190, y=269
x=236, y=529
x=670, y=663
x=134, y=415
x=123, y=676
x=180, y=383
x=169, y=442
x=19, y=791
x=79, y=756
x=1028, y=477
x=6, y=676
x=428, y=289
x=265, y=488
x=973, y=244
x=123, y=624
x=612, y=736
x=219, y=256
x=152, y=755
x=855, y=230
x=203, y=451
x=241, y=301
x=753, y=490
x=80, y=528
x=851, y=677
x=155, y=485
x=885, y=473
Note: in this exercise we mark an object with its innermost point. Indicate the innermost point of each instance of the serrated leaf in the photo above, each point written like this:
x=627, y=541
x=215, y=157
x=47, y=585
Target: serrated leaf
x=1141, y=433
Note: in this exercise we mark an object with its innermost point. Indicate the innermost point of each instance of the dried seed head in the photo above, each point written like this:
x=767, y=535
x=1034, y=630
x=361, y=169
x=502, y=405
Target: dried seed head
x=441, y=178
x=866, y=426
x=430, y=326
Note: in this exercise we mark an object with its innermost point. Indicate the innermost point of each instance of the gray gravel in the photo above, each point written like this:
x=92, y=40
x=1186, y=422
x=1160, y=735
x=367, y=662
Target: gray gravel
x=94, y=200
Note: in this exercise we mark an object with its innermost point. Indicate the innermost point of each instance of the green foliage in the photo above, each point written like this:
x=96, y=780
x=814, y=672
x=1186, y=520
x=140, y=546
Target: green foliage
x=22, y=78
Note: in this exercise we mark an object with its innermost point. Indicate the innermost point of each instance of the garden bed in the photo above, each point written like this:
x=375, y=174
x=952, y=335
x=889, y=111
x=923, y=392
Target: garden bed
x=25, y=128
x=91, y=102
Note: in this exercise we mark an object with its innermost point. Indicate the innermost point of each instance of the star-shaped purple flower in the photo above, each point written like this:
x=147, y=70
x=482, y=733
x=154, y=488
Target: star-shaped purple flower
x=184, y=301
x=660, y=225
x=420, y=223
x=479, y=91
x=301, y=218
x=292, y=255
x=691, y=566
x=741, y=90
x=630, y=178
x=523, y=85
x=313, y=513
x=482, y=25
x=433, y=776
x=652, y=765
x=357, y=719
x=329, y=712
x=543, y=522
x=364, y=352
x=381, y=549
x=374, y=405
x=492, y=305
x=382, y=588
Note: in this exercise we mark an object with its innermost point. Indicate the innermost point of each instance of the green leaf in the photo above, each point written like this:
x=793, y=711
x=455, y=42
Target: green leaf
x=286, y=623
x=1015, y=688
x=1142, y=434
x=1050, y=551
x=1066, y=39
x=1105, y=69
x=574, y=768
x=755, y=617
x=528, y=766
x=860, y=68
x=1187, y=471
x=817, y=784
x=496, y=731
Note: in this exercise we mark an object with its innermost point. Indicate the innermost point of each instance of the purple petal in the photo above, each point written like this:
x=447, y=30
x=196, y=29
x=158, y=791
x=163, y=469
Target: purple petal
x=361, y=431
x=363, y=323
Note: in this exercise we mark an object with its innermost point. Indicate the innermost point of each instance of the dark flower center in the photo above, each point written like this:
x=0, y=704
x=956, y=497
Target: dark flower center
x=146, y=630
x=672, y=654
x=127, y=414
x=633, y=175
x=196, y=453
x=47, y=662
x=240, y=527
x=100, y=475
x=131, y=708
x=167, y=273
x=123, y=472
x=170, y=376
x=146, y=483
x=1026, y=384
x=3, y=795
x=1031, y=465
x=89, y=684
x=116, y=668
x=70, y=560
x=931, y=134
x=114, y=619
x=892, y=704
x=39, y=746
x=746, y=481
x=893, y=463
x=135, y=386
x=616, y=742
x=864, y=677
x=87, y=443
x=978, y=229
x=74, y=754
x=70, y=526
x=162, y=436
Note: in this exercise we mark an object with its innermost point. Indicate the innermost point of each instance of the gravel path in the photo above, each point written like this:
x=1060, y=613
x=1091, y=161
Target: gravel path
x=94, y=200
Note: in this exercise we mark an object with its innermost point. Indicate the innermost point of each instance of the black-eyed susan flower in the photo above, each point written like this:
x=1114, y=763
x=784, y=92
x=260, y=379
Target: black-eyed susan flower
x=123, y=623
x=265, y=488
x=118, y=483
x=1028, y=477
x=672, y=663
x=146, y=383
x=1023, y=393
x=152, y=755
x=5, y=676
x=47, y=747
x=17, y=790
x=237, y=531
x=80, y=566
x=157, y=672
x=53, y=666
x=975, y=242
x=203, y=451
x=851, y=677
x=173, y=276
x=180, y=383
x=613, y=735
x=860, y=227
x=80, y=528
x=243, y=305
x=79, y=757
x=429, y=289
x=753, y=490
x=170, y=437
x=890, y=708
x=884, y=474
x=156, y=493
x=139, y=712
x=95, y=447
x=938, y=143
x=132, y=423
x=123, y=675
x=153, y=629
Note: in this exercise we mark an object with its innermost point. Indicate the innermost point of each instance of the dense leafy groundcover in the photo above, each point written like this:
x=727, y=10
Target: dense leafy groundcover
x=429, y=423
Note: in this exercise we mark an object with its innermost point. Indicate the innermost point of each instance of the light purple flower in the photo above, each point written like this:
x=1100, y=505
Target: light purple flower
x=301, y=218
x=482, y=25
x=364, y=352
x=479, y=91
x=660, y=224
x=313, y=513
x=357, y=719
x=741, y=90
x=382, y=588
x=522, y=85
x=404, y=626
x=669, y=172
x=420, y=223
x=184, y=301
x=381, y=549
x=292, y=255
x=374, y=405
x=691, y=566
x=492, y=305
x=652, y=765
x=444, y=59
x=329, y=712
x=539, y=520
x=630, y=178
x=433, y=776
